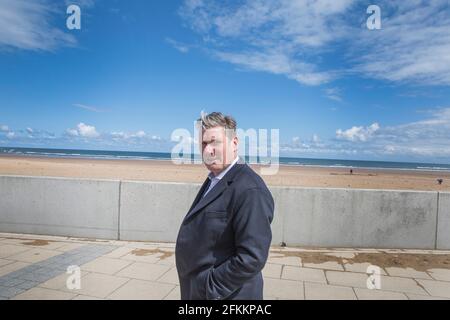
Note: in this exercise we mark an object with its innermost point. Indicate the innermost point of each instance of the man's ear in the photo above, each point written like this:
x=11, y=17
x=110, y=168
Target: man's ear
x=236, y=142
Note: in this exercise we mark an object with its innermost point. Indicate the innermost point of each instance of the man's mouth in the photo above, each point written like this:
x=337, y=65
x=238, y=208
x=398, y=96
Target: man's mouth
x=210, y=160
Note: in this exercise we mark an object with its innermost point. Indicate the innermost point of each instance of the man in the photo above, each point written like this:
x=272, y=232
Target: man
x=224, y=240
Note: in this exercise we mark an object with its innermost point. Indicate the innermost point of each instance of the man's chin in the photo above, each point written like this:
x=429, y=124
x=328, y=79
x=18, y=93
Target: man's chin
x=214, y=167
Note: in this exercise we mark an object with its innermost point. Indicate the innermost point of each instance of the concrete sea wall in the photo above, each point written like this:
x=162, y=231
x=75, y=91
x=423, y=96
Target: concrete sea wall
x=153, y=211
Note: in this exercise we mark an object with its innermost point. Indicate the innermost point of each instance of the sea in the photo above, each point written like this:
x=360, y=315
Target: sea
x=292, y=161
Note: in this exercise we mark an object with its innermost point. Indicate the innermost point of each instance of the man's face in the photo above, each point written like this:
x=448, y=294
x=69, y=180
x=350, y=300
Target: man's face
x=218, y=149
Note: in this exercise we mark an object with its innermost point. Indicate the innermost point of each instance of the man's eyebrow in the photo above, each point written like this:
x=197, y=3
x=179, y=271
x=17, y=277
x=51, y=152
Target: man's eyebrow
x=213, y=138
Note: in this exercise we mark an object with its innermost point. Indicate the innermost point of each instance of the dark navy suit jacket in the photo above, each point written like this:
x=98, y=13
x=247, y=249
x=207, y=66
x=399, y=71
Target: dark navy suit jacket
x=224, y=240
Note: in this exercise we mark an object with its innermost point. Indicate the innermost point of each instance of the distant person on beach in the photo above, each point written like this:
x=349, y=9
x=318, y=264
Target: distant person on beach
x=224, y=240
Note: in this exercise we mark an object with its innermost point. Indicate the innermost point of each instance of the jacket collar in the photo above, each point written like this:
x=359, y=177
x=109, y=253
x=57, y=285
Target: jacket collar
x=201, y=202
x=224, y=172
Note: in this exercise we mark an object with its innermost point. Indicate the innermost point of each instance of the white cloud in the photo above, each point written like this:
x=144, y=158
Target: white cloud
x=280, y=36
x=37, y=134
x=83, y=130
x=427, y=140
x=26, y=25
x=333, y=94
x=301, y=23
x=28, y=134
x=277, y=62
x=84, y=135
x=315, y=138
x=428, y=137
x=358, y=133
x=413, y=45
x=87, y=131
x=72, y=132
x=178, y=45
x=127, y=136
x=133, y=139
x=314, y=142
x=295, y=38
x=90, y=108
x=81, y=3
x=296, y=142
x=118, y=135
x=140, y=134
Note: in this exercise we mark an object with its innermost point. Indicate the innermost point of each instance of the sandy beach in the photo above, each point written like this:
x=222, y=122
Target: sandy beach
x=155, y=170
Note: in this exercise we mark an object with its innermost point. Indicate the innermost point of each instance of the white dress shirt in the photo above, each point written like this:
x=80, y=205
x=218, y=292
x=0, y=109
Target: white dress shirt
x=215, y=179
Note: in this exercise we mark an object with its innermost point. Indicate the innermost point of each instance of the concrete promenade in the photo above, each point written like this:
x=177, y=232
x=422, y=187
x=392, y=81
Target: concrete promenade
x=34, y=267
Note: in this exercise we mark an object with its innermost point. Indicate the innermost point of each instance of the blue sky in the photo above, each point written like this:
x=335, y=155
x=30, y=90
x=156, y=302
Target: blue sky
x=137, y=70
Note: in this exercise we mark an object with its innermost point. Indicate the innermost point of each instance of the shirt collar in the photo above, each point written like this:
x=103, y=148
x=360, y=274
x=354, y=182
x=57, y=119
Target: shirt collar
x=224, y=172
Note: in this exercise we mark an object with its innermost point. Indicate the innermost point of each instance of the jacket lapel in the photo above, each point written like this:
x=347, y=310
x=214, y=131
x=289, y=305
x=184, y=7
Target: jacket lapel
x=201, y=202
x=200, y=193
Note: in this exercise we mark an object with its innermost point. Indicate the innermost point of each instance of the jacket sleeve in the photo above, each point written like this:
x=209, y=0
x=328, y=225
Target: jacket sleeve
x=252, y=236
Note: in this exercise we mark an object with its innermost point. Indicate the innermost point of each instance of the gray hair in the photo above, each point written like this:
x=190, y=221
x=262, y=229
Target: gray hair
x=217, y=119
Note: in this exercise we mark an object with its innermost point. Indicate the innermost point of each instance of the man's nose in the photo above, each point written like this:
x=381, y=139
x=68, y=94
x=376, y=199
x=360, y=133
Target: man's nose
x=210, y=150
